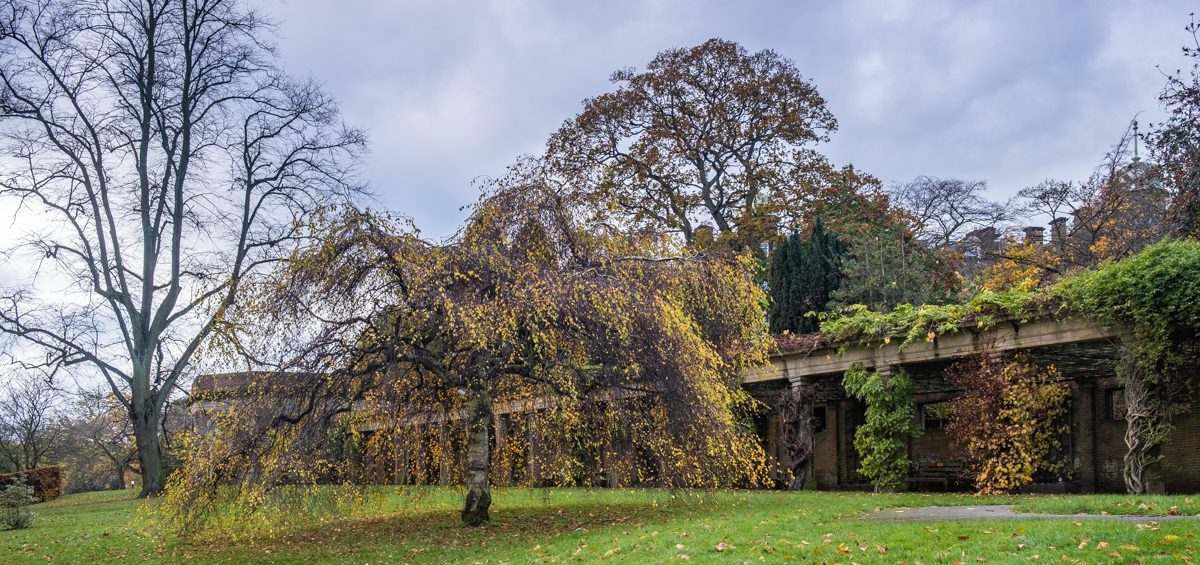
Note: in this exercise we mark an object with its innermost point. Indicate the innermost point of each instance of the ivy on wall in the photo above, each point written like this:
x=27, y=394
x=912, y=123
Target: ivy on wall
x=1156, y=294
x=890, y=420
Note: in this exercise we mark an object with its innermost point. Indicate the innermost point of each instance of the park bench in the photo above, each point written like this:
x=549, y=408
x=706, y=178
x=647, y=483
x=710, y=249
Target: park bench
x=943, y=472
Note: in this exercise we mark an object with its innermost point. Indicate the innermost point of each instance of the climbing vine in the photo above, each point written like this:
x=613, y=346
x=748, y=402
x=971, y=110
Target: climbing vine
x=910, y=324
x=1156, y=294
x=1009, y=420
x=880, y=440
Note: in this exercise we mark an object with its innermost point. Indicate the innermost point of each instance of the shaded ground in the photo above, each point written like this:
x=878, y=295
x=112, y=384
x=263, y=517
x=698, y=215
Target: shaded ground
x=993, y=512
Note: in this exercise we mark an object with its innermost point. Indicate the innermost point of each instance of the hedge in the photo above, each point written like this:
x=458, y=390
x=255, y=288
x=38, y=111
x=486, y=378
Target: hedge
x=47, y=482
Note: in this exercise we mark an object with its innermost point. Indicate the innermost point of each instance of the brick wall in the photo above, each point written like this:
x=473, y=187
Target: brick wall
x=825, y=452
x=1181, y=456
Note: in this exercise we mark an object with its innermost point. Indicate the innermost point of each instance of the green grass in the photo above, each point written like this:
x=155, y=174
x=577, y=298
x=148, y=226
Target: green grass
x=1148, y=505
x=610, y=526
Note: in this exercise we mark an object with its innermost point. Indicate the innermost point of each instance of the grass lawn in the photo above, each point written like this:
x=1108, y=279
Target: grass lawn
x=619, y=526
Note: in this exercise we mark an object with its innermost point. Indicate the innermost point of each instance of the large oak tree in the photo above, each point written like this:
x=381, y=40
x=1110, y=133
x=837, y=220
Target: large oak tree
x=706, y=138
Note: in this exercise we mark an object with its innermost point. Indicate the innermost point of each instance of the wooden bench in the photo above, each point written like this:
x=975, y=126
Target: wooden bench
x=939, y=472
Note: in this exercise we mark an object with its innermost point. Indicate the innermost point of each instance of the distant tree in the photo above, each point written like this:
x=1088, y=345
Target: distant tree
x=103, y=436
x=887, y=267
x=804, y=272
x=708, y=134
x=165, y=155
x=1117, y=212
x=30, y=434
x=1175, y=143
x=945, y=209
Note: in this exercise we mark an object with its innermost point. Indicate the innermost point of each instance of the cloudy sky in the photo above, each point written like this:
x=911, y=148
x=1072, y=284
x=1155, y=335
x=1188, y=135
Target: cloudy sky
x=1010, y=92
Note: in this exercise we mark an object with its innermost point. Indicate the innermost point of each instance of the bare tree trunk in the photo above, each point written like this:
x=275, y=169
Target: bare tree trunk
x=802, y=452
x=479, y=497
x=145, y=427
x=119, y=482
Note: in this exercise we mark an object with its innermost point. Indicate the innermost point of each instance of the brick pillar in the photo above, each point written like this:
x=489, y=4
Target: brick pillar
x=421, y=449
x=535, y=452
x=845, y=441
x=1084, y=428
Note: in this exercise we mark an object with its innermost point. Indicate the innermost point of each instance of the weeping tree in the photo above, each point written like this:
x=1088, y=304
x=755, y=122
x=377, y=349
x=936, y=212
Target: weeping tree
x=613, y=339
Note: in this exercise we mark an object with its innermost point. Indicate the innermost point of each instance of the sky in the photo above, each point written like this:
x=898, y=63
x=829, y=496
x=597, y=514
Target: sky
x=1009, y=92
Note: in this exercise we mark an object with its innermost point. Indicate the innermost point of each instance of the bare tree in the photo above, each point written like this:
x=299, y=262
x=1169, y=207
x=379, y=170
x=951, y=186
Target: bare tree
x=946, y=209
x=29, y=430
x=165, y=156
x=1117, y=212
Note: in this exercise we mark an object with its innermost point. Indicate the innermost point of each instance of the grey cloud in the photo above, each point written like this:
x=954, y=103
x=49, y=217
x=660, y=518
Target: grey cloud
x=1010, y=92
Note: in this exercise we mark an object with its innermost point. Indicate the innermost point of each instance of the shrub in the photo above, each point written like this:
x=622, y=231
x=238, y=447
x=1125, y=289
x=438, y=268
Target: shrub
x=15, y=500
x=1008, y=420
x=47, y=482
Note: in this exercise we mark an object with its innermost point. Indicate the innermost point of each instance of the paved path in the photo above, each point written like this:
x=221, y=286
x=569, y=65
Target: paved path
x=991, y=512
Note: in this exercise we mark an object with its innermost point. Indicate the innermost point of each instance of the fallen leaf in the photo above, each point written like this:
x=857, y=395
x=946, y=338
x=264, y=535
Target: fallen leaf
x=964, y=538
x=1102, y=546
x=1082, y=544
x=721, y=546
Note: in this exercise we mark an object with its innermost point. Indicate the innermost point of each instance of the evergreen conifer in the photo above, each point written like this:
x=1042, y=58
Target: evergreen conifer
x=803, y=274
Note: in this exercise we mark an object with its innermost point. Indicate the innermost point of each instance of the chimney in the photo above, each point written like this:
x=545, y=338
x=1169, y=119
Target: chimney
x=988, y=239
x=1035, y=235
x=1058, y=232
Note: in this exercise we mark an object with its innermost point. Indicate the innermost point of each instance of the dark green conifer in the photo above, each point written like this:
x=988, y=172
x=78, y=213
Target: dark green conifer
x=803, y=274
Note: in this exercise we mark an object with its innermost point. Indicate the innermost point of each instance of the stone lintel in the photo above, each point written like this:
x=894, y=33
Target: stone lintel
x=805, y=368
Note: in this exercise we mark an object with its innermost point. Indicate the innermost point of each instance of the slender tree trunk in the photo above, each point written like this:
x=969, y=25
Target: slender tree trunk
x=479, y=496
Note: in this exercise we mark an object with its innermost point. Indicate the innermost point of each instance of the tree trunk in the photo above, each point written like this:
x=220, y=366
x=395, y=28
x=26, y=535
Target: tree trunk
x=119, y=480
x=145, y=433
x=479, y=497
